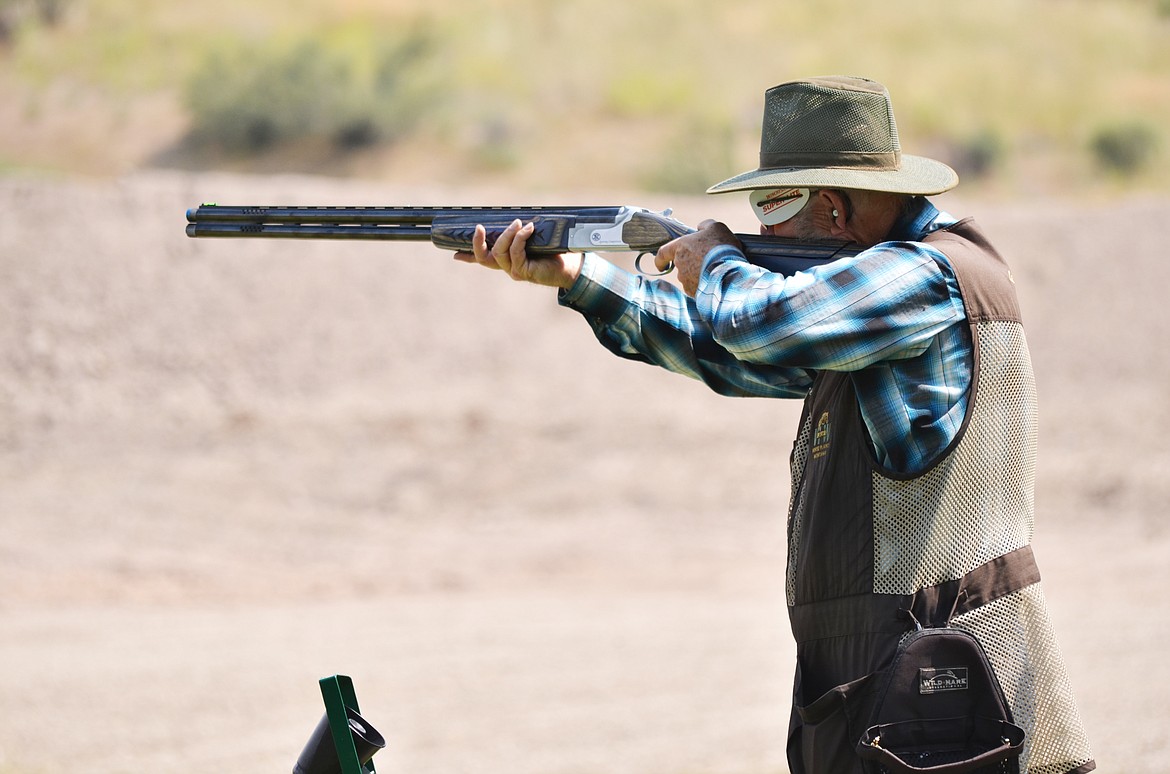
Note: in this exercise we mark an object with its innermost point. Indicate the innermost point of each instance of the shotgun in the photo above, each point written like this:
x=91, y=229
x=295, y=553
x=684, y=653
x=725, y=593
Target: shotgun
x=557, y=229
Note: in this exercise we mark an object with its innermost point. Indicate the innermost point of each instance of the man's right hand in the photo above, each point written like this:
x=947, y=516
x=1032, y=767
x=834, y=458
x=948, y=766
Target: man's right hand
x=686, y=253
x=509, y=253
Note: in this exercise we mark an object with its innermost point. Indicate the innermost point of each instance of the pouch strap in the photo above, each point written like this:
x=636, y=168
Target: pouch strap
x=931, y=607
x=936, y=605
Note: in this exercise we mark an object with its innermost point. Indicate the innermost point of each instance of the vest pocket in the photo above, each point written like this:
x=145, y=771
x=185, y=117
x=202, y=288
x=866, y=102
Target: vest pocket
x=825, y=738
x=944, y=746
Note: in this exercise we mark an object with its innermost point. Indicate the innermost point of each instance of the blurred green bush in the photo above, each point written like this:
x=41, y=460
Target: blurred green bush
x=1124, y=148
x=13, y=13
x=980, y=154
x=247, y=98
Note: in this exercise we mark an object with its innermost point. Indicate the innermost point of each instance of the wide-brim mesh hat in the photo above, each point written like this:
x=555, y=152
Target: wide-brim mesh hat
x=836, y=132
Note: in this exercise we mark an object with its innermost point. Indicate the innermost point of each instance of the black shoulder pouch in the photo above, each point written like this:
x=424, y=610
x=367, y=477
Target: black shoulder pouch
x=941, y=710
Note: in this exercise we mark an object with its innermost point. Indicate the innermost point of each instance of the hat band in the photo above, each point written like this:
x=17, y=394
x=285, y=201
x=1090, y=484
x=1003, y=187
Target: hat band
x=885, y=162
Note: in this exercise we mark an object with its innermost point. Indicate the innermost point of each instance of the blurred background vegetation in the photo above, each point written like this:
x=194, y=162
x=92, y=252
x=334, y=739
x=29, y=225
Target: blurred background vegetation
x=1021, y=96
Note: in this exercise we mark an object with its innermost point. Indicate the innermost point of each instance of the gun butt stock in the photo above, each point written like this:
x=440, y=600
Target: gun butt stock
x=788, y=256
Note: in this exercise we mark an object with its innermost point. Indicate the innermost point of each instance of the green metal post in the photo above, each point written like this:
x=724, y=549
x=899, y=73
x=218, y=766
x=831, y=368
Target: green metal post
x=338, y=694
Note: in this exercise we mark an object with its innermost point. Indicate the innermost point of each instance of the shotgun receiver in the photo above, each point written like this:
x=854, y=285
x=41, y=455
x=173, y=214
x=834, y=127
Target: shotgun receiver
x=557, y=229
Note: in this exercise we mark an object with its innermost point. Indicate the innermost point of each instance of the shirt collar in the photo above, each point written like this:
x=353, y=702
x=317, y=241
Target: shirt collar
x=920, y=218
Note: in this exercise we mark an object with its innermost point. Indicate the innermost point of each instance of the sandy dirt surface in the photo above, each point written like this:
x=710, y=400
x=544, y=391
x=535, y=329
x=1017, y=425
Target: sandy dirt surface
x=230, y=468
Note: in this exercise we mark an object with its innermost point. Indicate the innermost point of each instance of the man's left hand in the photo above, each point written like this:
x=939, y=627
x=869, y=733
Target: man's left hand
x=687, y=252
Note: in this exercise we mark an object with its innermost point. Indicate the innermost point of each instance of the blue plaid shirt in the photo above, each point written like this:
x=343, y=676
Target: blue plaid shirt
x=891, y=315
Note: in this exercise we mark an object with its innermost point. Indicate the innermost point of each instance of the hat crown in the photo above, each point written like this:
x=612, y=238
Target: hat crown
x=837, y=121
x=836, y=132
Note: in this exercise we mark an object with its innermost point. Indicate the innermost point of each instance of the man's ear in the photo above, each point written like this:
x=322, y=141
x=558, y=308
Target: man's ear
x=838, y=211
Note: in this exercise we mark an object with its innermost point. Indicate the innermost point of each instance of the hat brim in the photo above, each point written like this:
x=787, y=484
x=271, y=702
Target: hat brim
x=916, y=175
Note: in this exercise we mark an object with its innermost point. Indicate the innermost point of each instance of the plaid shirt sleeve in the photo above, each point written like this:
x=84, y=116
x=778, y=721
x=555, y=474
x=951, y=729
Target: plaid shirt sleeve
x=751, y=332
x=653, y=321
x=889, y=315
x=886, y=303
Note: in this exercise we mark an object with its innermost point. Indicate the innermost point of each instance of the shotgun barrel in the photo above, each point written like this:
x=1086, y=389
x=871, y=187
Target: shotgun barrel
x=557, y=229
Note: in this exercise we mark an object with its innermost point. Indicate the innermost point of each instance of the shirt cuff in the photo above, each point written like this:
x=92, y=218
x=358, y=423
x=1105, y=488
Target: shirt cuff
x=597, y=286
x=722, y=253
x=714, y=257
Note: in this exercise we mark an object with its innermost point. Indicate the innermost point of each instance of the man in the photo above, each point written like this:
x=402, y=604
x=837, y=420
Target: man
x=913, y=468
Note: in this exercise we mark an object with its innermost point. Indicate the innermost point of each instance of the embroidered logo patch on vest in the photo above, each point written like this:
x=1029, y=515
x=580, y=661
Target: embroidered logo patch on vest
x=940, y=680
x=821, y=437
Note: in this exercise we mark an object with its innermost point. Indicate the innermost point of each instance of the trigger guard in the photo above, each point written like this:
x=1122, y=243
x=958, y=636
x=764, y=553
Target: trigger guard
x=638, y=266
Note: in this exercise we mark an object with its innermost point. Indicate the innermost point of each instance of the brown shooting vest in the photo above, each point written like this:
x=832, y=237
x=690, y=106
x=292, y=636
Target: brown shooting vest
x=950, y=544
